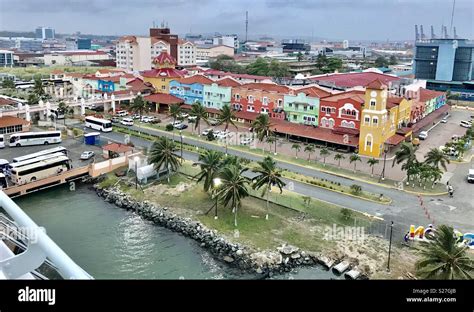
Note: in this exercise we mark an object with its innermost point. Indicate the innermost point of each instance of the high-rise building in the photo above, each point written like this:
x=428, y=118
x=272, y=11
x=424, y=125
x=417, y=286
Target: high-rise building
x=164, y=34
x=227, y=40
x=83, y=43
x=6, y=58
x=444, y=59
x=44, y=33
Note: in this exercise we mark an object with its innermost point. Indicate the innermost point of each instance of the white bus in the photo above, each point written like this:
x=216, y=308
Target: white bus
x=9, y=167
x=2, y=143
x=48, y=151
x=103, y=125
x=35, y=138
x=40, y=170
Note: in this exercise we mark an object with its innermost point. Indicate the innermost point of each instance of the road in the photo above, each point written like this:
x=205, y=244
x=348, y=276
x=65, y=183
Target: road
x=404, y=210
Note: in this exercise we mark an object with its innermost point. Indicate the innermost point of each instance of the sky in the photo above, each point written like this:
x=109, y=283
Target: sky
x=328, y=19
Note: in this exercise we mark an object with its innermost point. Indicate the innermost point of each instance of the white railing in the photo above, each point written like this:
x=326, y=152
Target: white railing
x=43, y=245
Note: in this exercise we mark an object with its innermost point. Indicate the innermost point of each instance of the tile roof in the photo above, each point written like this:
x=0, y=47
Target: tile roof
x=426, y=95
x=7, y=121
x=5, y=101
x=117, y=147
x=228, y=82
x=376, y=84
x=349, y=80
x=163, y=73
x=164, y=57
x=196, y=79
x=115, y=79
x=235, y=76
x=356, y=95
x=314, y=91
x=395, y=139
x=393, y=101
x=269, y=87
x=163, y=98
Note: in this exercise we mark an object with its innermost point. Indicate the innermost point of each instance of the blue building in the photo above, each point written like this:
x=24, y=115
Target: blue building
x=6, y=58
x=190, y=89
x=44, y=33
x=83, y=44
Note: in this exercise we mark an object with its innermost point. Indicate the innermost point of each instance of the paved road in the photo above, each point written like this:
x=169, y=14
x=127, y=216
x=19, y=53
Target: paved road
x=404, y=210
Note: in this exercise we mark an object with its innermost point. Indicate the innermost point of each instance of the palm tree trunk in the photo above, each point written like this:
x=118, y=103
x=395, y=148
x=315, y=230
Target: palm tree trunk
x=355, y=167
x=268, y=199
x=339, y=163
x=372, y=174
x=296, y=154
x=235, y=216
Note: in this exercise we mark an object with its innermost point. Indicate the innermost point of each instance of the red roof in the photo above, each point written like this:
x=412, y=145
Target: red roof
x=4, y=101
x=236, y=76
x=162, y=73
x=269, y=87
x=426, y=95
x=249, y=116
x=376, y=84
x=163, y=98
x=9, y=121
x=117, y=147
x=393, y=101
x=196, y=79
x=163, y=58
x=350, y=80
x=356, y=95
x=395, y=139
x=228, y=82
x=314, y=91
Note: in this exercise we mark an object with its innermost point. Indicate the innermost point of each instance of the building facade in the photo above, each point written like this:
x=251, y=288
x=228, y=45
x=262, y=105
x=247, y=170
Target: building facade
x=44, y=33
x=219, y=93
x=342, y=110
x=164, y=72
x=6, y=58
x=190, y=89
x=302, y=105
x=186, y=53
x=227, y=40
x=164, y=33
x=133, y=53
x=204, y=52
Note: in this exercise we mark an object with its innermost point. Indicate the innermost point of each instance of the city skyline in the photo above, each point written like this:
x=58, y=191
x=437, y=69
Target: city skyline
x=315, y=19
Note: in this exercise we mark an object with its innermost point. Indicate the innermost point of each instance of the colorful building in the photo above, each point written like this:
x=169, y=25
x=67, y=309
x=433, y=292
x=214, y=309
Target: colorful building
x=190, y=89
x=219, y=93
x=342, y=110
x=260, y=98
x=163, y=73
x=302, y=105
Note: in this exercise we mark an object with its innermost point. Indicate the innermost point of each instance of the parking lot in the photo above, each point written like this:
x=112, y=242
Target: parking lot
x=75, y=148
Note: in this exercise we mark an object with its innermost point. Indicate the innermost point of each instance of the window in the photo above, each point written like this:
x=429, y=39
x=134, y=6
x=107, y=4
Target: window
x=280, y=102
x=265, y=100
x=333, y=110
x=295, y=117
x=237, y=97
x=163, y=87
x=372, y=104
x=367, y=120
x=331, y=123
x=323, y=109
x=375, y=121
x=250, y=98
x=290, y=104
x=311, y=108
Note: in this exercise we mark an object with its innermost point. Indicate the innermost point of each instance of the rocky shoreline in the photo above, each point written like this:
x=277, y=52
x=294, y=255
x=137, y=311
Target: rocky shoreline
x=264, y=263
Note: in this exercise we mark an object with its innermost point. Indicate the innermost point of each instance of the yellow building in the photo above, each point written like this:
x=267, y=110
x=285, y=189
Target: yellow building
x=383, y=115
x=163, y=73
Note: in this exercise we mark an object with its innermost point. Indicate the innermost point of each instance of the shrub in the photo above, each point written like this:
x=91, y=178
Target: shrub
x=169, y=127
x=346, y=214
x=356, y=189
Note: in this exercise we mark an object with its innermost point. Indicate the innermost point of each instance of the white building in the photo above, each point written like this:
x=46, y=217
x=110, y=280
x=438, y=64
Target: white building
x=227, y=40
x=186, y=53
x=206, y=52
x=72, y=57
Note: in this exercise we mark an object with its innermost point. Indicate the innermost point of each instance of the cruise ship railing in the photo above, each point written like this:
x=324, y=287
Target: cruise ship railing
x=39, y=247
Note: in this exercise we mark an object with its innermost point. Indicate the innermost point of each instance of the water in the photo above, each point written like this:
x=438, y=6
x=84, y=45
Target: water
x=112, y=243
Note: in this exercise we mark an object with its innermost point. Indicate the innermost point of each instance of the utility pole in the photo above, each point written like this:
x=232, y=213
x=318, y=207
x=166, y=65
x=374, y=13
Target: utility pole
x=452, y=17
x=246, y=25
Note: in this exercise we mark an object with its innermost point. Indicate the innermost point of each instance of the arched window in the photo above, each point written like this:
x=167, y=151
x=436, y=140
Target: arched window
x=324, y=122
x=375, y=121
x=331, y=123
x=368, y=142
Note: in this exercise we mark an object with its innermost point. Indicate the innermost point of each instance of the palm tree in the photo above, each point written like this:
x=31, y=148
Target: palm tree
x=354, y=159
x=413, y=169
x=174, y=111
x=64, y=109
x=210, y=163
x=324, y=152
x=233, y=188
x=435, y=175
x=406, y=155
x=338, y=157
x=162, y=155
x=436, y=157
x=200, y=113
x=139, y=105
x=38, y=87
x=226, y=116
x=372, y=162
x=262, y=127
x=232, y=160
x=268, y=175
x=297, y=148
x=460, y=147
x=270, y=141
x=443, y=257
x=310, y=148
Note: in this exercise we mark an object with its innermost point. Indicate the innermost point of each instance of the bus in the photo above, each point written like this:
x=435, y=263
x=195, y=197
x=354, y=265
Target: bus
x=53, y=150
x=2, y=143
x=35, y=138
x=40, y=170
x=103, y=125
x=8, y=168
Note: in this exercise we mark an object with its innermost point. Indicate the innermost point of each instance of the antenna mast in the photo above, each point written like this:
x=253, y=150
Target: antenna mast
x=246, y=25
x=452, y=17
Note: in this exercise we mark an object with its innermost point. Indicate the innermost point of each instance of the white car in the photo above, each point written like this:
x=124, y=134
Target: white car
x=223, y=134
x=246, y=141
x=127, y=122
x=206, y=131
x=423, y=135
x=465, y=124
x=121, y=113
x=87, y=155
x=147, y=119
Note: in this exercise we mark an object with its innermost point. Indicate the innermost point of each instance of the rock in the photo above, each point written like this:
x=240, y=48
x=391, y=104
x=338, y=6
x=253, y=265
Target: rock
x=228, y=259
x=288, y=249
x=295, y=256
x=239, y=252
x=259, y=271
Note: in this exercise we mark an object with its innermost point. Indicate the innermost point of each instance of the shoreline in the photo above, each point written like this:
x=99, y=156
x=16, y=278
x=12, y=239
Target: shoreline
x=264, y=263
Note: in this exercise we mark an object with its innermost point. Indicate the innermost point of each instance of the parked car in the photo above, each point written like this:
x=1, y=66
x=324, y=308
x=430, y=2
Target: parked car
x=223, y=134
x=135, y=116
x=192, y=119
x=87, y=155
x=246, y=141
x=181, y=126
x=444, y=120
x=465, y=124
x=127, y=122
x=423, y=135
x=121, y=113
x=115, y=119
x=206, y=131
x=147, y=119
x=470, y=176
x=174, y=124
x=213, y=122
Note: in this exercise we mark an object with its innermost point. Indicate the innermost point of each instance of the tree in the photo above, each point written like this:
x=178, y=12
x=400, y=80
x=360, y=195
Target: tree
x=381, y=62
x=443, y=258
x=226, y=116
x=372, y=162
x=162, y=156
x=268, y=175
x=393, y=60
x=233, y=188
x=200, y=112
x=38, y=87
x=460, y=147
x=210, y=163
x=33, y=99
x=354, y=159
x=299, y=56
x=324, y=152
x=174, y=111
x=338, y=157
x=310, y=148
x=64, y=109
x=436, y=157
x=8, y=84
x=139, y=105
x=356, y=189
x=405, y=155
x=262, y=127
x=297, y=148
x=270, y=140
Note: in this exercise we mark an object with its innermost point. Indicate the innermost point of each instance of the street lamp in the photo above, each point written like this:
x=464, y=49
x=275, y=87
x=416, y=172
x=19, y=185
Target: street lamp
x=181, y=135
x=136, y=159
x=382, y=176
x=390, y=246
x=216, y=183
